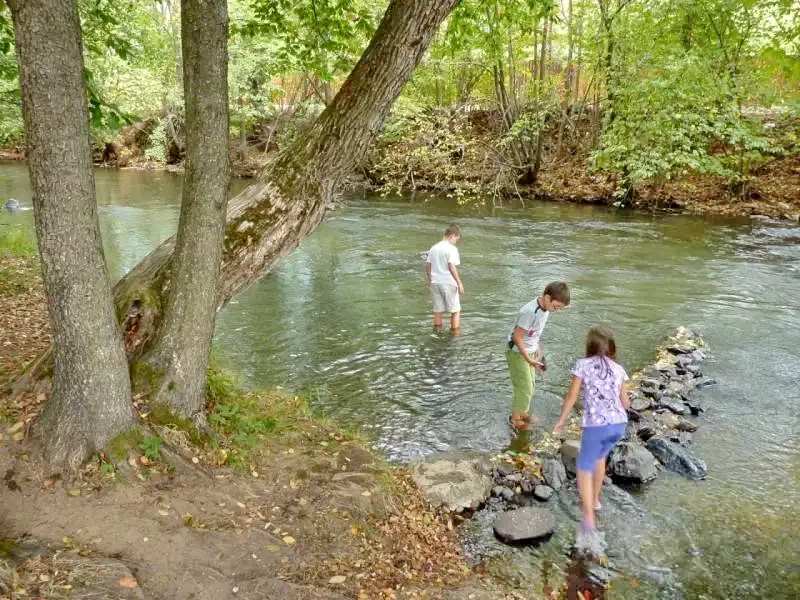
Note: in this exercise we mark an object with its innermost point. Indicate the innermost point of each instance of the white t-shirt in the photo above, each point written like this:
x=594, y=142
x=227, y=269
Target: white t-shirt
x=440, y=256
x=532, y=318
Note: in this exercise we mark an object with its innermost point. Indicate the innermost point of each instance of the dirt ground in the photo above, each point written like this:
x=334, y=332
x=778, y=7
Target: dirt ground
x=314, y=513
x=315, y=523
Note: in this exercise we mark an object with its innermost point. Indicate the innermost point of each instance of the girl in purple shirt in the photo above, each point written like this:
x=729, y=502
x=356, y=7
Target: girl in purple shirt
x=605, y=401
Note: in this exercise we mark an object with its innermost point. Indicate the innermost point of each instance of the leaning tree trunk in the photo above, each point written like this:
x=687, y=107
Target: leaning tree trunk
x=271, y=217
x=183, y=344
x=91, y=391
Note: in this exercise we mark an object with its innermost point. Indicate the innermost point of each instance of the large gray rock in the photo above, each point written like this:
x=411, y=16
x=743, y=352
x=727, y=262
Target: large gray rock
x=632, y=462
x=569, y=455
x=677, y=458
x=554, y=473
x=543, y=492
x=640, y=403
x=524, y=524
x=455, y=481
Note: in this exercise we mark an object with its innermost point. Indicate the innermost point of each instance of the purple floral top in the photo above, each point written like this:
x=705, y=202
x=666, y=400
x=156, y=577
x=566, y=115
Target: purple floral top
x=602, y=382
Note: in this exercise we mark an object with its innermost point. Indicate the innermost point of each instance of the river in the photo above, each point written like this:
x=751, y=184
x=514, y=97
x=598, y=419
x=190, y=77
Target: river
x=345, y=321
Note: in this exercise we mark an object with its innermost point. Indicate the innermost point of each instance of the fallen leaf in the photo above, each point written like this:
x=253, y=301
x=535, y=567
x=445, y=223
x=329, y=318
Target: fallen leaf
x=128, y=582
x=366, y=493
x=337, y=579
x=16, y=427
x=19, y=436
x=288, y=540
x=163, y=513
x=74, y=492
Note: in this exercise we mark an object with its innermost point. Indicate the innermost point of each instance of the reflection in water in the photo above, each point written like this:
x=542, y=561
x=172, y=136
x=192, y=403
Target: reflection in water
x=345, y=319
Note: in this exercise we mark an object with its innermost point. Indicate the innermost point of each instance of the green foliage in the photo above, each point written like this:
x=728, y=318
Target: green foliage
x=151, y=447
x=157, y=146
x=321, y=37
x=423, y=151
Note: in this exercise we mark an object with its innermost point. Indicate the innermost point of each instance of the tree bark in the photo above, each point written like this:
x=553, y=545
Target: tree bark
x=537, y=156
x=181, y=351
x=271, y=217
x=91, y=393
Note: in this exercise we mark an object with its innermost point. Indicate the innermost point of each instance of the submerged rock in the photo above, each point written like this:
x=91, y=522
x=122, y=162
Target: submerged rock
x=554, y=473
x=524, y=524
x=676, y=407
x=632, y=462
x=677, y=458
x=456, y=481
x=705, y=383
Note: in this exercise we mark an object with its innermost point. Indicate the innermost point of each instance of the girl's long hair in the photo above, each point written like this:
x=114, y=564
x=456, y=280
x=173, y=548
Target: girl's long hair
x=600, y=342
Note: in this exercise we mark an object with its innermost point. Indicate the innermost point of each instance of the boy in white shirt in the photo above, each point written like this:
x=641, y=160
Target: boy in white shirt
x=444, y=280
x=524, y=350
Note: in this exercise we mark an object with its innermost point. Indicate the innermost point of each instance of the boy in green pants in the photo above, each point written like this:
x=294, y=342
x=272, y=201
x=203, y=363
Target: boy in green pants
x=524, y=351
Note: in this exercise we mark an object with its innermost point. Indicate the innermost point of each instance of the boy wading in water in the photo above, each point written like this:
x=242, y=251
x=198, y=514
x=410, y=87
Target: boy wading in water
x=605, y=401
x=441, y=267
x=524, y=350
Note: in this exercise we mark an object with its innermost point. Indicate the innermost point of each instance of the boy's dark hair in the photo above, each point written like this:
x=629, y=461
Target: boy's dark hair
x=452, y=230
x=600, y=342
x=558, y=290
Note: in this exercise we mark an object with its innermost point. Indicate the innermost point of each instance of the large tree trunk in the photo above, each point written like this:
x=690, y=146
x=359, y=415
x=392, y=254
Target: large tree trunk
x=91, y=392
x=183, y=345
x=271, y=217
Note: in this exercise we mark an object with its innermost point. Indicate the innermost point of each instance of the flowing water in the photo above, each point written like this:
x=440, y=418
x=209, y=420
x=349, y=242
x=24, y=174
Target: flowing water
x=345, y=320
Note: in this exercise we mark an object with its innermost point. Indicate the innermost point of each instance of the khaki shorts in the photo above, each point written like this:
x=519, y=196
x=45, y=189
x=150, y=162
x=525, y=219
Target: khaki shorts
x=445, y=298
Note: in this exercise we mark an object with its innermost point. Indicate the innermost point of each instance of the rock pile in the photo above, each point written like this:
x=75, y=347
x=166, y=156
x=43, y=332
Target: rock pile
x=662, y=396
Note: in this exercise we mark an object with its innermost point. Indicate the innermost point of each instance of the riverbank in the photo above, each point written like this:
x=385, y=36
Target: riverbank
x=460, y=155
x=282, y=503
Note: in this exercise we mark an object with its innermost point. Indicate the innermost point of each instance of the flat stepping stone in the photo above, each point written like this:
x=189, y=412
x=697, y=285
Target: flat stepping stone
x=524, y=524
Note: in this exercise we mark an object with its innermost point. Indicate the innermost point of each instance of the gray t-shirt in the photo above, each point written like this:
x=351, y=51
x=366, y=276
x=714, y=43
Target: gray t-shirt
x=532, y=318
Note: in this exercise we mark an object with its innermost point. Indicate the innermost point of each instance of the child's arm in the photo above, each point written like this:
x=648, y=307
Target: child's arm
x=428, y=272
x=624, y=397
x=569, y=402
x=454, y=273
x=517, y=339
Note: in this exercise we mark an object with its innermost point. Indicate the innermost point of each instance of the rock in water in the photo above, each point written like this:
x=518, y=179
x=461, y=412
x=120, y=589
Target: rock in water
x=677, y=408
x=456, y=481
x=543, y=492
x=569, y=455
x=677, y=458
x=632, y=462
x=554, y=473
x=524, y=524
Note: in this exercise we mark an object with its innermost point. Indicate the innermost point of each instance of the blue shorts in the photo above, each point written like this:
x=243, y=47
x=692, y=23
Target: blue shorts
x=597, y=442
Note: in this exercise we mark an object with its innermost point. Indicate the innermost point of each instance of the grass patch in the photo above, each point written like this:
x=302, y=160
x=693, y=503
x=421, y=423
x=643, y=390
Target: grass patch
x=17, y=241
x=248, y=425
